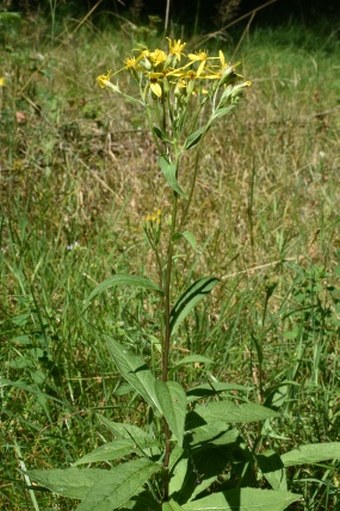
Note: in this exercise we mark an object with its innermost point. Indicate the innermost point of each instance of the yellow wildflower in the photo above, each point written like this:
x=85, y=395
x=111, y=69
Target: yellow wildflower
x=154, y=217
x=157, y=57
x=176, y=47
x=202, y=57
x=130, y=63
x=104, y=80
x=2, y=81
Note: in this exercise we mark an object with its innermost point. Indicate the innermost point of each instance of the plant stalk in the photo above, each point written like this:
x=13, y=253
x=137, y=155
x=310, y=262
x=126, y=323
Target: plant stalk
x=167, y=292
x=166, y=340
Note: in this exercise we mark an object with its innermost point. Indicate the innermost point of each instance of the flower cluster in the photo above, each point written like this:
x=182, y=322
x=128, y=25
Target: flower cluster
x=154, y=217
x=184, y=73
x=152, y=227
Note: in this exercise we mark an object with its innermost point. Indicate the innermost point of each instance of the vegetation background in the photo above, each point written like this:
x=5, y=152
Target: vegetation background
x=78, y=174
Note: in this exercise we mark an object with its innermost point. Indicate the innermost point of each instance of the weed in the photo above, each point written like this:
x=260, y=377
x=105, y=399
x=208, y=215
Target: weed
x=74, y=187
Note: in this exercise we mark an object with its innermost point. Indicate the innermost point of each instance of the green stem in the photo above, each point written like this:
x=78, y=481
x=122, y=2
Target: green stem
x=166, y=340
x=192, y=187
x=167, y=291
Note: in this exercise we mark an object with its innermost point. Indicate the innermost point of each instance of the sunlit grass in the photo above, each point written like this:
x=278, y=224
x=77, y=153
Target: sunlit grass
x=78, y=174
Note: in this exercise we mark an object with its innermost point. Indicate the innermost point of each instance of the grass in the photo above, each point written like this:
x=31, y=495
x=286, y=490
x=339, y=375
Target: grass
x=78, y=174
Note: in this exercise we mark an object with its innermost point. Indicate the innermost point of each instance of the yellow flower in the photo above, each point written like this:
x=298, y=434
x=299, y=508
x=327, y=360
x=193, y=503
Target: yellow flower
x=157, y=57
x=155, y=87
x=154, y=217
x=130, y=62
x=222, y=59
x=176, y=47
x=104, y=80
x=201, y=57
x=2, y=81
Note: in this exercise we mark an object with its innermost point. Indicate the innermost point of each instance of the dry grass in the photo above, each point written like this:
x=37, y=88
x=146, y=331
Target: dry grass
x=78, y=166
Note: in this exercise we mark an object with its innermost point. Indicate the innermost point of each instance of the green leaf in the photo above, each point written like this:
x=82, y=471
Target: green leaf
x=118, y=485
x=213, y=389
x=221, y=112
x=188, y=236
x=244, y=499
x=170, y=173
x=213, y=434
x=191, y=297
x=172, y=399
x=125, y=430
x=178, y=476
x=70, y=482
x=171, y=506
x=273, y=470
x=312, y=453
x=135, y=371
x=122, y=280
x=194, y=138
x=232, y=413
x=160, y=134
x=109, y=451
x=193, y=359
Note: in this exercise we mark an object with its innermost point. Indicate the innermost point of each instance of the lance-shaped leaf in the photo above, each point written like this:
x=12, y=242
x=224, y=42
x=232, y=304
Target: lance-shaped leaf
x=74, y=483
x=188, y=236
x=191, y=297
x=172, y=400
x=111, y=451
x=135, y=371
x=122, y=280
x=312, y=453
x=213, y=434
x=125, y=430
x=194, y=138
x=244, y=499
x=232, y=413
x=213, y=389
x=221, y=112
x=170, y=173
x=160, y=134
x=118, y=485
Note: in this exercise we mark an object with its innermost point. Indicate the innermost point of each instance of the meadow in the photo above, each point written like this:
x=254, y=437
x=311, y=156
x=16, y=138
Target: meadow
x=78, y=175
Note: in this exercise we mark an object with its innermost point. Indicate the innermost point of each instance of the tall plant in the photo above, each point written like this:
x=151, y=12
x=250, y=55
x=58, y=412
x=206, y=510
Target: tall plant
x=192, y=457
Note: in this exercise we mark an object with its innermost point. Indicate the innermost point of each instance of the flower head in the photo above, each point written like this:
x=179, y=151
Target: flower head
x=104, y=80
x=202, y=57
x=157, y=57
x=176, y=47
x=154, y=217
x=2, y=81
x=130, y=63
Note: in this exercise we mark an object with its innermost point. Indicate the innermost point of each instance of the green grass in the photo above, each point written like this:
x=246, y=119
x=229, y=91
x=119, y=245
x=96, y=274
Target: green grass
x=79, y=173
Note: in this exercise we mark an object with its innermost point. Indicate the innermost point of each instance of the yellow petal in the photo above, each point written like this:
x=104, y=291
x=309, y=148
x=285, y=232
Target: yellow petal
x=156, y=89
x=103, y=80
x=200, y=68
